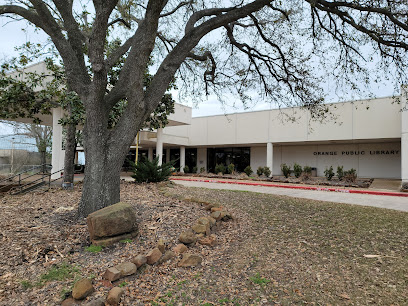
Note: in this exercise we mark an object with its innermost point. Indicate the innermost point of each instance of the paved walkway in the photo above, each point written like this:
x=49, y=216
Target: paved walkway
x=390, y=202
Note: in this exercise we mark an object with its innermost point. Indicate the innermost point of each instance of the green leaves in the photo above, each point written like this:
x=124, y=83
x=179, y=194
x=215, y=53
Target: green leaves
x=147, y=171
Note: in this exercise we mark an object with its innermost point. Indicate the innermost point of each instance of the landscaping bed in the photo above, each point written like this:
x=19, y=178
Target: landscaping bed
x=358, y=183
x=275, y=250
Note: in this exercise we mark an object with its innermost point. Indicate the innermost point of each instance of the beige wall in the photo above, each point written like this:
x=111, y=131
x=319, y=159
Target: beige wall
x=369, y=119
x=367, y=162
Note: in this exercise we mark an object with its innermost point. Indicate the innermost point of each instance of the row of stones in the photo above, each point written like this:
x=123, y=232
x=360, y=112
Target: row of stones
x=200, y=232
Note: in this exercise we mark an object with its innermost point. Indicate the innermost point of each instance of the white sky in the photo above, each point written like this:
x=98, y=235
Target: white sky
x=12, y=35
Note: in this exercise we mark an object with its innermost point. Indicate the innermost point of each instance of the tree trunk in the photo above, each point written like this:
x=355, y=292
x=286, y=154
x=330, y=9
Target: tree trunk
x=101, y=186
x=70, y=147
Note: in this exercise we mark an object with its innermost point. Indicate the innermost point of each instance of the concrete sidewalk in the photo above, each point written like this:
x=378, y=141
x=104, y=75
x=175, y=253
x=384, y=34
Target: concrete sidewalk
x=389, y=202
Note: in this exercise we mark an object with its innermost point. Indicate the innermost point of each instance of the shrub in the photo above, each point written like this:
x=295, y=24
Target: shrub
x=285, y=170
x=186, y=169
x=220, y=168
x=146, y=171
x=194, y=169
x=307, y=170
x=350, y=175
x=260, y=171
x=248, y=170
x=202, y=169
x=340, y=172
x=267, y=171
x=231, y=168
x=329, y=173
x=307, y=173
x=297, y=170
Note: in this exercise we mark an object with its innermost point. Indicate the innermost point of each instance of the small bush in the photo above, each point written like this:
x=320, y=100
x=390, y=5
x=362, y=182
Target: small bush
x=267, y=171
x=231, y=168
x=202, y=169
x=285, y=170
x=329, y=173
x=260, y=171
x=220, y=168
x=186, y=169
x=194, y=170
x=350, y=175
x=307, y=173
x=340, y=172
x=307, y=169
x=248, y=170
x=146, y=171
x=297, y=170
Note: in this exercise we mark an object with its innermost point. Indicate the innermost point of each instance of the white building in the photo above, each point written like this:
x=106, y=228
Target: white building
x=370, y=136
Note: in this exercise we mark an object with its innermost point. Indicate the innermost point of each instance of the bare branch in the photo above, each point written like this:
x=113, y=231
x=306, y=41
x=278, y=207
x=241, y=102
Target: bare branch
x=180, y=5
x=209, y=74
x=121, y=20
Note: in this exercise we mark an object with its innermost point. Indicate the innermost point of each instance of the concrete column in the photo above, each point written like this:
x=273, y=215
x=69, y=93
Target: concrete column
x=150, y=154
x=167, y=155
x=404, y=134
x=159, y=145
x=182, y=158
x=269, y=156
x=201, y=158
x=57, y=158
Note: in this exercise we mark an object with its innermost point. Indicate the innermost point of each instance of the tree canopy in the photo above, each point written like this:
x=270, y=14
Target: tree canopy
x=248, y=46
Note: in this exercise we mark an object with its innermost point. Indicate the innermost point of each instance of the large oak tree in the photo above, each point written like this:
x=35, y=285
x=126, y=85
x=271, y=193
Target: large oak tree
x=258, y=45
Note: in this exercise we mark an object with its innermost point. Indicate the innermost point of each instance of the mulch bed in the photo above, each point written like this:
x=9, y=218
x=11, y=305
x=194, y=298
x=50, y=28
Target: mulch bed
x=40, y=231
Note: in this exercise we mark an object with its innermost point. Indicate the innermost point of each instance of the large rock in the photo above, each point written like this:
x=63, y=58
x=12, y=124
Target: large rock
x=112, y=274
x=180, y=248
x=167, y=256
x=153, y=256
x=200, y=228
x=82, y=289
x=114, y=296
x=209, y=241
x=190, y=260
x=126, y=268
x=111, y=221
x=139, y=260
x=187, y=237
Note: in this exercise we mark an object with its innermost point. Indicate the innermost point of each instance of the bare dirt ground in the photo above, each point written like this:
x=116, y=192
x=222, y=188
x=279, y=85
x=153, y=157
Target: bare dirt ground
x=277, y=250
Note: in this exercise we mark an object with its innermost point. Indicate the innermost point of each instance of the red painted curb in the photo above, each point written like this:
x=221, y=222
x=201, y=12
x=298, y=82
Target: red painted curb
x=373, y=192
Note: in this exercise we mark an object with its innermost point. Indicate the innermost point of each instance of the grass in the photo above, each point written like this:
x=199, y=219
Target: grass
x=310, y=251
x=94, y=248
x=257, y=279
x=126, y=241
x=60, y=272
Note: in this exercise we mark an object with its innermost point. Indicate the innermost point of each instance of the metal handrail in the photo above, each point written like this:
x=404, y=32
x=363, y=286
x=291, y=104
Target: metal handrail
x=45, y=175
x=29, y=170
x=9, y=179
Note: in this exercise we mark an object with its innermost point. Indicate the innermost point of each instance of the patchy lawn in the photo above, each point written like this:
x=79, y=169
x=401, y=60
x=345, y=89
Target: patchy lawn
x=277, y=250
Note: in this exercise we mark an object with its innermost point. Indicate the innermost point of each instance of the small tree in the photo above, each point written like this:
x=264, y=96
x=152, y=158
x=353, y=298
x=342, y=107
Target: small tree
x=297, y=170
x=285, y=170
x=220, y=168
x=267, y=171
x=248, y=170
x=340, y=172
x=329, y=173
x=231, y=168
x=260, y=171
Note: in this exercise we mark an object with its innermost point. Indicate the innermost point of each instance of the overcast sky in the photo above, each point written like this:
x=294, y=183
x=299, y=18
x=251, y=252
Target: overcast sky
x=12, y=35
